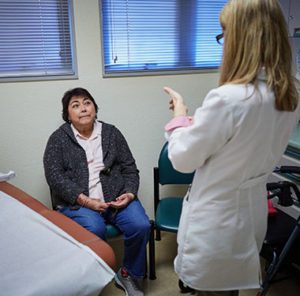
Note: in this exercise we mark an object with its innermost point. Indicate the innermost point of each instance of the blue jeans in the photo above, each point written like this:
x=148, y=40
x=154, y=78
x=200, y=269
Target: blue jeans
x=133, y=223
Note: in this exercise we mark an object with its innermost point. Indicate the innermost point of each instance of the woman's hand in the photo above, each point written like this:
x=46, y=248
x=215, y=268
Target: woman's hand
x=176, y=103
x=96, y=205
x=92, y=203
x=122, y=201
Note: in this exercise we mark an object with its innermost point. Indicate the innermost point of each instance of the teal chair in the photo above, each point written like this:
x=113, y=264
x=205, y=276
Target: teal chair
x=112, y=231
x=167, y=208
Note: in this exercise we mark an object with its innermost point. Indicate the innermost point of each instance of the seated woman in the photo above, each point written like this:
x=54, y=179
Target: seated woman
x=94, y=180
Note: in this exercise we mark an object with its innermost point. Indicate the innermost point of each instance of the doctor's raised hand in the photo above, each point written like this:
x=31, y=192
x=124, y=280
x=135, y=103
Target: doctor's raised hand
x=176, y=103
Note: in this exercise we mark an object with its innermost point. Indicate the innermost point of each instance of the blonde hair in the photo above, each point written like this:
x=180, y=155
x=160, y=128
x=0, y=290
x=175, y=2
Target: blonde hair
x=256, y=36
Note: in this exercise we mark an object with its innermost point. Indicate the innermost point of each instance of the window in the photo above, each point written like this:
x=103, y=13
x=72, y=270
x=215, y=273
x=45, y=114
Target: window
x=36, y=39
x=146, y=36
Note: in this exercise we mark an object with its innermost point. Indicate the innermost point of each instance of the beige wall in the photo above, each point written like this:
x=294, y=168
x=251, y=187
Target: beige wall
x=31, y=111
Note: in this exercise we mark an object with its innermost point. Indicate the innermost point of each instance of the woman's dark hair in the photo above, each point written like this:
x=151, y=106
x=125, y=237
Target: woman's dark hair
x=75, y=92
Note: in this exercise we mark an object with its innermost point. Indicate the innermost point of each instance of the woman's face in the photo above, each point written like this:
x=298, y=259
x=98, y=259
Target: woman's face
x=82, y=112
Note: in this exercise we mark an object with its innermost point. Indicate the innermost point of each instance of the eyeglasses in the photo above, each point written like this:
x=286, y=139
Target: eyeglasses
x=220, y=39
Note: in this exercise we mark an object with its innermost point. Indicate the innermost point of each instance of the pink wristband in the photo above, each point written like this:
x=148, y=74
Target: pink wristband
x=179, y=121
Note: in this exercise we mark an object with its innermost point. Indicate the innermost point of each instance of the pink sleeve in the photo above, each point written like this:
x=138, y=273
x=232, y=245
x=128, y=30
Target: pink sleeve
x=179, y=121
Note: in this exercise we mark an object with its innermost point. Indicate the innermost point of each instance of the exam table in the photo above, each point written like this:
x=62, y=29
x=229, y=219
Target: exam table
x=43, y=252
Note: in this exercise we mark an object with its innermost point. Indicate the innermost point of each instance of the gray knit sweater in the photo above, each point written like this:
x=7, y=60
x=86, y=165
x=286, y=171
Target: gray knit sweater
x=66, y=167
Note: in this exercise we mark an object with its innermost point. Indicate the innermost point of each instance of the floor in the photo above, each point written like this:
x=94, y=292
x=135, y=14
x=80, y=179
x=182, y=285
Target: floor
x=167, y=281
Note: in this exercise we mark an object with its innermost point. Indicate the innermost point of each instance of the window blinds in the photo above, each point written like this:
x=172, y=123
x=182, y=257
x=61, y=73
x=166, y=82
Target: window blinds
x=155, y=35
x=35, y=38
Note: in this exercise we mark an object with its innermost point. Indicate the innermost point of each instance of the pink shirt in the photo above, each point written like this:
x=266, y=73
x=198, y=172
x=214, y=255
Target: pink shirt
x=93, y=150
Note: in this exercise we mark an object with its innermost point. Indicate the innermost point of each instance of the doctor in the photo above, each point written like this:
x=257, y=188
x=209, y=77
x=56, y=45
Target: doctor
x=233, y=142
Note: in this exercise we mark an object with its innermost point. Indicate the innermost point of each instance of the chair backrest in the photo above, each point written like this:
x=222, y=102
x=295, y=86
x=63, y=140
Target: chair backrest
x=167, y=174
x=52, y=199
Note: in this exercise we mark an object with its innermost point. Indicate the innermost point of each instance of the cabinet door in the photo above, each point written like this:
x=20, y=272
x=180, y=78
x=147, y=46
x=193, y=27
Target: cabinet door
x=294, y=16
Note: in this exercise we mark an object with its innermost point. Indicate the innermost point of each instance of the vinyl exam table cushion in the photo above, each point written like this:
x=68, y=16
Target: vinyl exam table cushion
x=43, y=252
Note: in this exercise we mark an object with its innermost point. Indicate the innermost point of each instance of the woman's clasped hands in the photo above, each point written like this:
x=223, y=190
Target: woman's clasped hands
x=100, y=206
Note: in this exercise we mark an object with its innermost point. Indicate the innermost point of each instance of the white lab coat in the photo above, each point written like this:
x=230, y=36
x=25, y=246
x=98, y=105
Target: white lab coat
x=234, y=143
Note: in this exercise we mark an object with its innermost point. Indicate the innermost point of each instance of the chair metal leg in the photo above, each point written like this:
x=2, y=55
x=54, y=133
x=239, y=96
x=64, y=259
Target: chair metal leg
x=146, y=267
x=152, y=272
x=157, y=236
